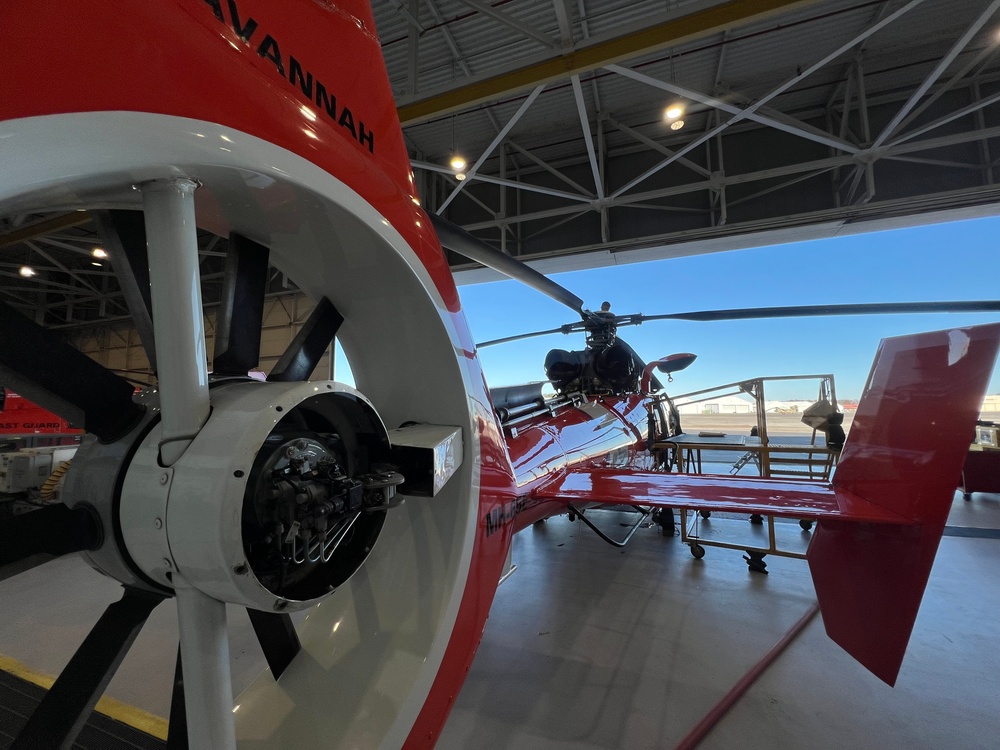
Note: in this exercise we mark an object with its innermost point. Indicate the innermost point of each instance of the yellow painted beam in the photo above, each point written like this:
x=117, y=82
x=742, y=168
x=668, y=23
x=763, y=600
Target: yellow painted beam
x=126, y=714
x=42, y=228
x=669, y=33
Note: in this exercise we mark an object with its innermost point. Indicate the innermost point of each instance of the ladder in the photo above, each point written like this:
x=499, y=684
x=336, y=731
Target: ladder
x=744, y=460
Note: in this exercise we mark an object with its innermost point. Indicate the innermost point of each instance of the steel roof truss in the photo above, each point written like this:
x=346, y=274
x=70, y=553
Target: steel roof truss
x=550, y=169
x=746, y=113
x=939, y=69
x=772, y=118
x=581, y=110
x=506, y=20
x=496, y=142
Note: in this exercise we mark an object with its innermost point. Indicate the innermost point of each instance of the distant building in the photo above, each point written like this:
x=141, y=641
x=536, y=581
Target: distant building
x=991, y=402
x=718, y=405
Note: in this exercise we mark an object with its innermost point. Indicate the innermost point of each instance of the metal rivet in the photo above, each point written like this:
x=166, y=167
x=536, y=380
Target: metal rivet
x=238, y=473
x=166, y=564
x=240, y=569
x=164, y=478
x=158, y=523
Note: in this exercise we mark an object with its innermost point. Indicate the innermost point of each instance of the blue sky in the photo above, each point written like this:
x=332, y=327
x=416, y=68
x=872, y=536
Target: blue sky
x=954, y=261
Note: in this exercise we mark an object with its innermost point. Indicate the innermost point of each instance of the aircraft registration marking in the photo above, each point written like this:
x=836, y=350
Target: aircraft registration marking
x=502, y=515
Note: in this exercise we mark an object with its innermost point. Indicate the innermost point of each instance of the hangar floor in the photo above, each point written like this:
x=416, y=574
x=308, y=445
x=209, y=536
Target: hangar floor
x=589, y=646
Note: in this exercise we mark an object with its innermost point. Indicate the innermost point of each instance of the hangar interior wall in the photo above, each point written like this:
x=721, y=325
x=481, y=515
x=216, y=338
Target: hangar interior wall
x=117, y=345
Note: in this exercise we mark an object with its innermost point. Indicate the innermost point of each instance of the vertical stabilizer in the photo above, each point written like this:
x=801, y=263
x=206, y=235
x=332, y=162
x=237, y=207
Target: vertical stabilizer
x=905, y=453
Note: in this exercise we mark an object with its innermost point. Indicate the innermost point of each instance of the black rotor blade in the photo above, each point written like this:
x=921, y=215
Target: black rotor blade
x=278, y=639
x=68, y=704
x=506, y=339
x=124, y=236
x=458, y=240
x=241, y=310
x=876, y=308
x=32, y=538
x=304, y=353
x=43, y=368
x=177, y=733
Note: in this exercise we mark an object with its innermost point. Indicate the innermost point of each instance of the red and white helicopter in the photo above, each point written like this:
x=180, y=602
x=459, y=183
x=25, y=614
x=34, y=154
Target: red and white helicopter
x=274, y=125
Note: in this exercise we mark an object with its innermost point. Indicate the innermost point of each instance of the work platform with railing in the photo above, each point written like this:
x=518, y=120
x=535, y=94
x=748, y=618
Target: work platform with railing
x=716, y=452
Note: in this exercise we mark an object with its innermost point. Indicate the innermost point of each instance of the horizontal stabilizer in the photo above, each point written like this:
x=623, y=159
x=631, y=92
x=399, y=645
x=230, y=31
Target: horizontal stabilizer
x=768, y=497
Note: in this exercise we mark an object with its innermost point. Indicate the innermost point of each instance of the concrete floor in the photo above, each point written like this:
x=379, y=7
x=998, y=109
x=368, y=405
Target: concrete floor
x=593, y=647
x=589, y=646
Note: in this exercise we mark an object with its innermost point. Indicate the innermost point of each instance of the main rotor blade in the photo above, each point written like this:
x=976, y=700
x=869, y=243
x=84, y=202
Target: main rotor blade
x=43, y=368
x=68, y=704
x=458, y=240
x=877, y=308
x=306, y=349
x=241, y=311
x=30, y=539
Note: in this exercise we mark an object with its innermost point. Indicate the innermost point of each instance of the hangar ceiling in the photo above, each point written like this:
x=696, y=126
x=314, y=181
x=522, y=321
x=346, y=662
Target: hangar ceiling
x=797, y=115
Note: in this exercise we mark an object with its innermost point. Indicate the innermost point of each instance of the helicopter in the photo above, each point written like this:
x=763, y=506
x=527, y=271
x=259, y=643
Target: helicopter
x=385, y=511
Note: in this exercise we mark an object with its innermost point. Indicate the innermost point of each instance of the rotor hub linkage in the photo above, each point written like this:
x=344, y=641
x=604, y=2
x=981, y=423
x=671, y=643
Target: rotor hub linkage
x=276, y=502
x=307, y=503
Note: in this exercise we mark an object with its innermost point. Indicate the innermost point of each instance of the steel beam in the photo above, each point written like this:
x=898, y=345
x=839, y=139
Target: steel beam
x=513, y=23
x=548, y=168
x=799, y=129
x=489, y=149
x=693, y=166
x=982, y=57
x=939, y=69
x=624, y=45
x=42, y=228
x=581, y=110
x=430, y=167
x=743, y=114
x=974, y=107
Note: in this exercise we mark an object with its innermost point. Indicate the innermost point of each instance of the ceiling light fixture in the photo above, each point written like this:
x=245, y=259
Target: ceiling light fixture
x=677, y=124
x=99, y=252
x=460, y=176
x=457, y=162
x=26, y=271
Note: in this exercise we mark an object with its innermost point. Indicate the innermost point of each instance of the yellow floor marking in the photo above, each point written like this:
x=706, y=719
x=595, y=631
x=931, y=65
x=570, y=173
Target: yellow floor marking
x=113, y=709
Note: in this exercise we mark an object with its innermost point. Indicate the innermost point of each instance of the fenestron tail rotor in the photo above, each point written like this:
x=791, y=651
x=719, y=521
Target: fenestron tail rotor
x=47, y=370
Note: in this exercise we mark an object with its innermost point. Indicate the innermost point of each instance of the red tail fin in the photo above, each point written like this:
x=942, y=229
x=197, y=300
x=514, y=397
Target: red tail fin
x=906, y=450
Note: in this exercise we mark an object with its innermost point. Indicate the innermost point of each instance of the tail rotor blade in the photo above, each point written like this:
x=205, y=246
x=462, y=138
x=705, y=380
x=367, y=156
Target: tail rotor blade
x=177, y=733
x=278, y=639
x=30, y=539
x=304, y=353
x=241, y=312
x=66, y=707
x=62, y=379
